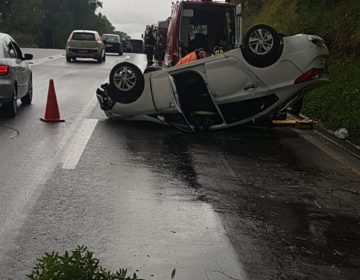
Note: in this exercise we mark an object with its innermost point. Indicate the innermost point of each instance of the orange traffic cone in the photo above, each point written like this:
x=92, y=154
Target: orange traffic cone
x=52, y=110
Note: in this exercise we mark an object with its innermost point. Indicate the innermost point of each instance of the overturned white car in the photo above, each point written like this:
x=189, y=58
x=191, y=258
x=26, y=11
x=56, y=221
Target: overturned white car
x=264, y=76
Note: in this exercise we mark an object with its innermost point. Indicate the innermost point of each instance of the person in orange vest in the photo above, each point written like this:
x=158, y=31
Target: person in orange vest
x=193, y=56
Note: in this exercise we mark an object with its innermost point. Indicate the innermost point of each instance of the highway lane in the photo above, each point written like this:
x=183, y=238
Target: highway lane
x=30, y=148
x=250, y=203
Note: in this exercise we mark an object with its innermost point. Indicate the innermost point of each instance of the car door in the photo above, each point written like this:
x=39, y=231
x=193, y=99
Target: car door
x=19, y=66
x=233, y=86
x=163, y=91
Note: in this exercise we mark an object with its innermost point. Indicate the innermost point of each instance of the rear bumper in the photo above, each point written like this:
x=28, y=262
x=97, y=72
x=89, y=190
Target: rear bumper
x=84, y=53
x=113, y=49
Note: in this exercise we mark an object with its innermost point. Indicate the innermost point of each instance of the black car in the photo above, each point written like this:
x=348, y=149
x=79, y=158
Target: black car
x=134, y=46
x=113, y=43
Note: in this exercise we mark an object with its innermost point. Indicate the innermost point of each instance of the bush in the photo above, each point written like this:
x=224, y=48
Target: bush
x=77, y=265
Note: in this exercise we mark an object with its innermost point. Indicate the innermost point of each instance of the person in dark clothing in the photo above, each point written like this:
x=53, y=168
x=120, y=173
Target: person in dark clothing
x=149, y=44
x=160, y=45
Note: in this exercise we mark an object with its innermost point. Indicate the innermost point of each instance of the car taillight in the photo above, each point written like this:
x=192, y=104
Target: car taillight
x=309, y=75
x=4, y=70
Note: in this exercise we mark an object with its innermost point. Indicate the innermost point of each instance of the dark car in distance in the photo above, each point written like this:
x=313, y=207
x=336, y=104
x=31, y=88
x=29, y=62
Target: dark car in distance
x=113, y=44
x=134, y=46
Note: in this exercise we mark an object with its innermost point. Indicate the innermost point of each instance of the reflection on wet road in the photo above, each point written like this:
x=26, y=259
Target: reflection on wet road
x=286, y=218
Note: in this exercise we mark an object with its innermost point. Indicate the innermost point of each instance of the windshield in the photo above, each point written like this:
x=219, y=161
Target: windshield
x=207, y=27
x=111, y=39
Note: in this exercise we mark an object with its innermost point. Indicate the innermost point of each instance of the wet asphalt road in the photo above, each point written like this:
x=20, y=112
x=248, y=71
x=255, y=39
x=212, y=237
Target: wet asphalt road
x=244, y=203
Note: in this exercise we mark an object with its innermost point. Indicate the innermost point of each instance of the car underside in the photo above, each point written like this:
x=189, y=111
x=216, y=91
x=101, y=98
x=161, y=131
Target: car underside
x=219, y=91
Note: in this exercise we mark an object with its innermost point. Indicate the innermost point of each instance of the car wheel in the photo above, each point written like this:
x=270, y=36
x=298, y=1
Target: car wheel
x=126, y=83
x=262, y=46
x=27, y=99
x=100, y=58
x=120, y=53
x=68, y=59
x=11, y=107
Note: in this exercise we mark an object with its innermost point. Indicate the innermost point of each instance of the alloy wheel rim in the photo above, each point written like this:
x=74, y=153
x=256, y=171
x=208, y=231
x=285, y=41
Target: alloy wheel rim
x=125, y=79
x=261, y=41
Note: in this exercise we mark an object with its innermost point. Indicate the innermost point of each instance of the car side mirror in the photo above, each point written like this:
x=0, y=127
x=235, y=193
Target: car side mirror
x=28, y=56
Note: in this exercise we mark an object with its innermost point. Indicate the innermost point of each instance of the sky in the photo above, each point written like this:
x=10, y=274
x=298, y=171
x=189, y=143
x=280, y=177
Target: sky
x=132, y=16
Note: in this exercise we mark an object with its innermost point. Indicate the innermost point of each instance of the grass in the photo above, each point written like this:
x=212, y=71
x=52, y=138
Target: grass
x=337, y=104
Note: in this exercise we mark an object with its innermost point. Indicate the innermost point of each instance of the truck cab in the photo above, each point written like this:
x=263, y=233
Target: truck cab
x=199, y=24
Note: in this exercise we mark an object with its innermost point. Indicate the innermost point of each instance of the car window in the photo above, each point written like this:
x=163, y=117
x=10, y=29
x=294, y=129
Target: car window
x=197, y=29
x=12, y=49
x=17, y=49
x=83, y=36
x=111, y=39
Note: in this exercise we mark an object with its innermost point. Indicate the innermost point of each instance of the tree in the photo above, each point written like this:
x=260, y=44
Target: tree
x=5, y=6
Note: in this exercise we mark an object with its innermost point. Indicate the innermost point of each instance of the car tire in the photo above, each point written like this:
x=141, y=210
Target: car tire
x=262, y=46
x=11, y=107
x=120, y=53
x=126, y=83
x=100, y=59
x=27, y=99
x=68, y=59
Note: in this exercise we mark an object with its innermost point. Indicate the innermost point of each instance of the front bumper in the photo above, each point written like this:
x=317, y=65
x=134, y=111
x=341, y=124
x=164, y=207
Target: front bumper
x=103, y=97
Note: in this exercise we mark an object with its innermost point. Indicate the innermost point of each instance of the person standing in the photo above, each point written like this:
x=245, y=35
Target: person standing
x=149, y=44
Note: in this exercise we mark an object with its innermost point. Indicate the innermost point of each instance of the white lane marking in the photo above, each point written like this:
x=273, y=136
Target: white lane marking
x=330, y=152
x=46, y=59
x=79, y=143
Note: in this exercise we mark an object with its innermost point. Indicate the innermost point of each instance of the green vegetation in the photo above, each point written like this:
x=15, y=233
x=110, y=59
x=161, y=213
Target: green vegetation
x=77, y=265
x=337, y=104
x=48, y=23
